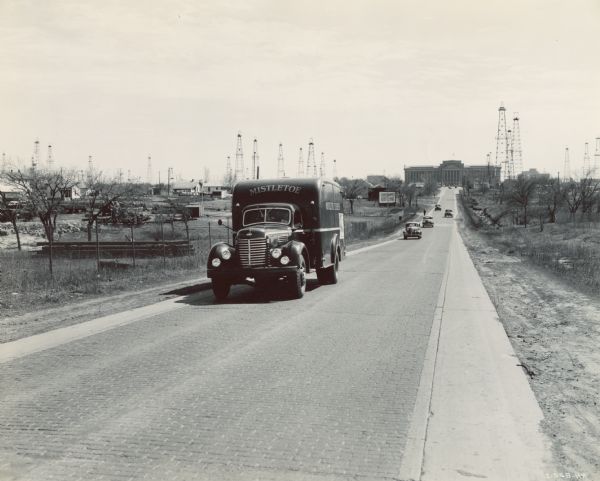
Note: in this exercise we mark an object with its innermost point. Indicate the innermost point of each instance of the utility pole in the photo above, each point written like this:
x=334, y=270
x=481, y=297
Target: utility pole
x=280, y=164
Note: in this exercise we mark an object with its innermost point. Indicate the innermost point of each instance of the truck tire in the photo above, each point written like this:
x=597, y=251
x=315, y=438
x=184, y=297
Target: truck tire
x=220, y=289
x=298, y=281
x=329, y=275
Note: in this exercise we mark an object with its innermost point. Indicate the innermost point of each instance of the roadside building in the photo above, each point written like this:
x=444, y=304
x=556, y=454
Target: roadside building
x=192, y=187
x=218, y=191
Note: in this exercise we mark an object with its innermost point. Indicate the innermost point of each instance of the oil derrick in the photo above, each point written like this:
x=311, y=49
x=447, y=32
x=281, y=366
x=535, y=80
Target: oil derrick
x=596, y=164
x=322, y=166
x=149, y=170
x=586, y=161
x=509, y=169
x=301, y=164
x=228, y=172
x=3, y=167
x=239, y=159
x=334, y=169
x=567, y=167
x=280, y=164
x=35, y=159
x=311, y=163
x=50, y=160
x=90, y=172
x=501, y=142
x=489, y=167
x=516, y=154
x=255, y=166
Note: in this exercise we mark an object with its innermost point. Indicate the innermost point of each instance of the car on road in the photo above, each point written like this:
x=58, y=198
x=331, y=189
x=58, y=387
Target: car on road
x=412, y=229
x=448, y=213
x=438, y=207
x=427, y=221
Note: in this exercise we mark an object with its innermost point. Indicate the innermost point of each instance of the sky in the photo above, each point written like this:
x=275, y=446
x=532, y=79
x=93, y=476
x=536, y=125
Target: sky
x=377, y=84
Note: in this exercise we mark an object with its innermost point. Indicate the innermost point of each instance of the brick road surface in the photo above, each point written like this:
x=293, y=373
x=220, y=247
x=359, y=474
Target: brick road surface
x=258, y=387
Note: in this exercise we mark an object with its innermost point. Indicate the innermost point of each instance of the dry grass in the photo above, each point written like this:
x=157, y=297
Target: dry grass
x=26, y=281
x=572, y=249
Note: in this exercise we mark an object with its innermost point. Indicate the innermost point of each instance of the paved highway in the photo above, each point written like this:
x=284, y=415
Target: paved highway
x=257, y=387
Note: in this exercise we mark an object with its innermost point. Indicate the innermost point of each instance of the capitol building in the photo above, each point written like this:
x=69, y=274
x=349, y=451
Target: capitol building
x=453, y=172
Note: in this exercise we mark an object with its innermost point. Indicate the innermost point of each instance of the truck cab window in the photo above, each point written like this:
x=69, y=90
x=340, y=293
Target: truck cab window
x=254, y=216
x=278, y=216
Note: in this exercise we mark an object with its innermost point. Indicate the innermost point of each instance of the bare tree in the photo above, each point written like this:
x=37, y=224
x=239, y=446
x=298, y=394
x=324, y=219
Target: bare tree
x=11, y=214
x=581, y=194
x=521, y=193
x=102, y=196
x=352, y=189
x=45, y=192
x=409, y=192
x=552, y=197
x=590, y=189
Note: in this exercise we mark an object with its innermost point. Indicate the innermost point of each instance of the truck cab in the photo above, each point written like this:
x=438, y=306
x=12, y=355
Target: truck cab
x=283, y=229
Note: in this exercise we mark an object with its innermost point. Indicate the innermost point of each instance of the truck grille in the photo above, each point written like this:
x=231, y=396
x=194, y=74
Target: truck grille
x=252, y=252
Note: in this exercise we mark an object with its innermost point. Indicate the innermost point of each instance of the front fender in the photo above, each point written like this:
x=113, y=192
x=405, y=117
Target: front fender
x=294, y=250
x=216, y=250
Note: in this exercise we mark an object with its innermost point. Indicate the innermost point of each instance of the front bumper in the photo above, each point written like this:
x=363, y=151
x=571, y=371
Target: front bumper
x=235, y=274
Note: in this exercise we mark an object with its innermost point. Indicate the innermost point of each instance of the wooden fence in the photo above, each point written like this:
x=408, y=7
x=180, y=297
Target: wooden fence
x=118, y=249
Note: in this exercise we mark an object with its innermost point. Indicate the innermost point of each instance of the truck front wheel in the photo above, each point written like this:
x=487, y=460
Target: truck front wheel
x=298, y=281
x=220, y=288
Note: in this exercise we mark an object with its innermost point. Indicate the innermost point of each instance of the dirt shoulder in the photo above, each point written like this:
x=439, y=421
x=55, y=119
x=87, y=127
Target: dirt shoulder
x=554, y=329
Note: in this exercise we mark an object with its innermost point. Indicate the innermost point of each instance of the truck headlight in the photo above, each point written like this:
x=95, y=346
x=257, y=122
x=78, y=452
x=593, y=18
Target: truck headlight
x=276, y=253
x=216, y=262
x=226, y=254
x=285, y=260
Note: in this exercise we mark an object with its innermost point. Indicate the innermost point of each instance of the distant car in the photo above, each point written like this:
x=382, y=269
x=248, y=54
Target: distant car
x=438, y=207
x=412, y=229
x=448, y=213
x=427, y=221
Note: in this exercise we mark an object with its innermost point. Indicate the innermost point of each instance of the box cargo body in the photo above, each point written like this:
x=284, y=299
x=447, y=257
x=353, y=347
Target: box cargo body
x=283, y=229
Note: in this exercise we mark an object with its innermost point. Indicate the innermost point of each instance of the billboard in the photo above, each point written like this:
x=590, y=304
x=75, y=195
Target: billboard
x=387, y=197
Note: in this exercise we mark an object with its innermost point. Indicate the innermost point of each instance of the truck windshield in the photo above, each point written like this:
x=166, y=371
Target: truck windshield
x=276, y=215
